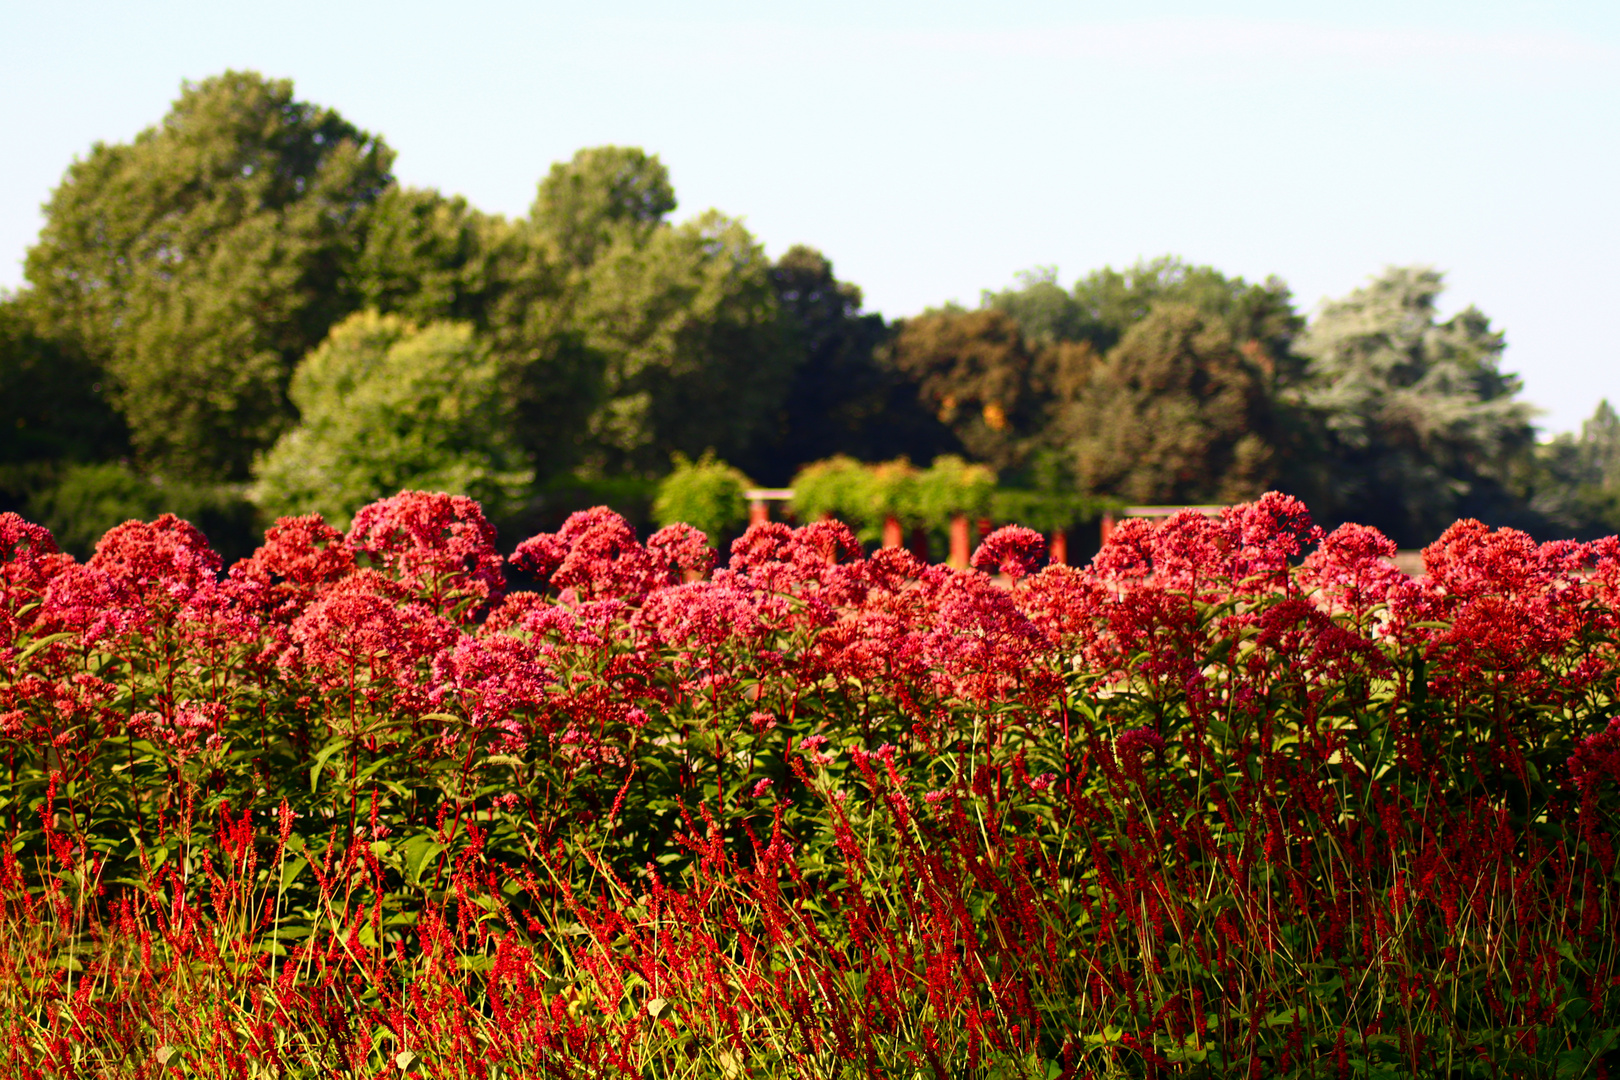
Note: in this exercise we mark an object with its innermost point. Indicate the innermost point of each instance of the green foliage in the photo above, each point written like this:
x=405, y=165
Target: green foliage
x=986, y=382
x=865, y=496
x=386, y=406
x=1105, y=304
x=845, y=397
x=1577, y=477
x=431, y=258
x=1047, y=511
x=85, y=500
x=834, y=488
x=51, y=406
x=604, y=195
x=707, y=494
x=1177, y=414
x=197, y=264
x=695, y=354
x=951, y=486
x=1420, y=424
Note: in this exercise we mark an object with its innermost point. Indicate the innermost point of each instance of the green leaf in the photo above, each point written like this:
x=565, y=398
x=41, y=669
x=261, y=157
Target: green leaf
x=321, y=759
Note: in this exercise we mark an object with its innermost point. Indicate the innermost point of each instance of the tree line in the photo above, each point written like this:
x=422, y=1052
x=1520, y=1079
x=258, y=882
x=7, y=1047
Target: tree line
x=241, y=313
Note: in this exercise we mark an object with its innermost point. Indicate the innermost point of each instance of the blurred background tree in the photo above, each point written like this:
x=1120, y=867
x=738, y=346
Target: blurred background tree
x=196, y=265
x=386, y=407
x=1419, y=424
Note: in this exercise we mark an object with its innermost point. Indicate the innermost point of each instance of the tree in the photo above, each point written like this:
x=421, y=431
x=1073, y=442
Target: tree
x=604, y=195
x=1420, y=423
x=51, y=406
x=428, y=258
x=1575, y=486
x=707, y=494
x=843, y=399
x=1044, y=310
x=694, y=351
x=1177, y=413
x=1105, y=304
x=196, y=265
x=982, y=378
x=387, y=406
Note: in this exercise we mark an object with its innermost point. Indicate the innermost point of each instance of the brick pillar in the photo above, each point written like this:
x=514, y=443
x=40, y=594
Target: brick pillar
x=1107, y=527
x=759, y=512
x=959, y=542
x=1058, y=553
x=892, y=534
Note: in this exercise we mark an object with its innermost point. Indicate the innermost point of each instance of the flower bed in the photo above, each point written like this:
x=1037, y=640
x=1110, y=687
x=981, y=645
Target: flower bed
x=1238, y=799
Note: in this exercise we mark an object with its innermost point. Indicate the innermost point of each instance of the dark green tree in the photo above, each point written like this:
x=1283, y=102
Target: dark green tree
x=986, y=381
x=52, y=409
x=695, y=354
x=844, y=399
x=1105, y=304
x=196, y=265
x=1177, y=413
x=1045, y=311
x=432, y=258
x=1420, y=424
x=1575, y=479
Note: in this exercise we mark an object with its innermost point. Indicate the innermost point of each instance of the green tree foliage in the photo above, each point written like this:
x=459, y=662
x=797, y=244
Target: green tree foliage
x=198, y=263
x=1177, y=413
x=604, y=195
x=695, y=355
x=387, y=406
x=1420, y=424
x=51, y=406
x=983, y=379
x=428, y=257
x=841, y=399
x=707, y=494
x=84, y=500
x=1104, y=305
x=1576, y=478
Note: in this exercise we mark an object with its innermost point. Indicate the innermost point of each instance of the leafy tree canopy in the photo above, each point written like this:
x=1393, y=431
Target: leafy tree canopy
x=198, y=263
x=604, y=194
x=386, y=407
x=985, y=380
x=1105, y=304
x=706, y=494
x=51, y=407
x=1421, y=424
x=428, y=257
x=1577, y=477
x=844, y=399
x=695, y=353
x=1177, y=413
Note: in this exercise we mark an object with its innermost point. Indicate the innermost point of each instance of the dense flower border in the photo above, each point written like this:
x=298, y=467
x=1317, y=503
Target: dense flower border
x=1239, y=797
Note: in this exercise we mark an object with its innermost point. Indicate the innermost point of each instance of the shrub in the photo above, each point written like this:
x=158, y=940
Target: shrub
x=707, y=494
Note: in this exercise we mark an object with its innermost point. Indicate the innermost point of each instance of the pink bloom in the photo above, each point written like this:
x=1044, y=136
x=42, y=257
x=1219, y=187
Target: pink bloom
x=1011, y=549
x=439, y=546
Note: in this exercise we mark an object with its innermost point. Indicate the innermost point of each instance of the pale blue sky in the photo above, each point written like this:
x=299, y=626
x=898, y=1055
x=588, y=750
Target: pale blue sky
x=935, y=149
